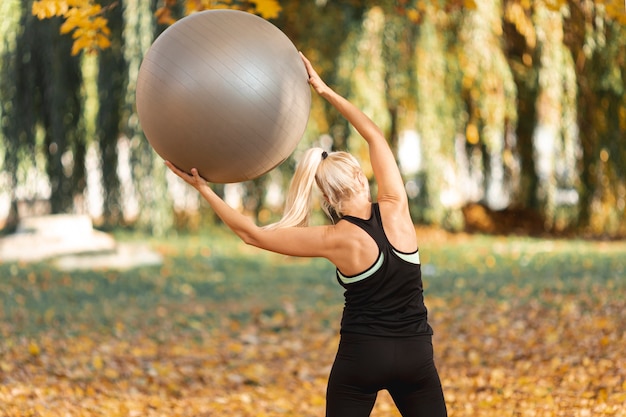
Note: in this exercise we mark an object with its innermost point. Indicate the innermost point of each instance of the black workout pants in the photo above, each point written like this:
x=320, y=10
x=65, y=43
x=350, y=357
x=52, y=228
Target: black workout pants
x=367, y=364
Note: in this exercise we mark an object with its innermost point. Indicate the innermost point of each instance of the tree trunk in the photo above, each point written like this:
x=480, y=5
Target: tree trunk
x=11, y=79
x=521, y=49
x=599, y=63
x=60, y=77
x=112, y=78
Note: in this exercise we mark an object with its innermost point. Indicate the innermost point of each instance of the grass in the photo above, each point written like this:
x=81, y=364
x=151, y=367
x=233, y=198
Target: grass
x=492, y=265
x=223, y=274
x=214, y=270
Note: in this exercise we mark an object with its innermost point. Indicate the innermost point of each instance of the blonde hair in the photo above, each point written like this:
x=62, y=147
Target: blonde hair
x=336, y=174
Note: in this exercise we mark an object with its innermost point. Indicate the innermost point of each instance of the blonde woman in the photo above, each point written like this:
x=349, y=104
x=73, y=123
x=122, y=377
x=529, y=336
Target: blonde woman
x=385, y=336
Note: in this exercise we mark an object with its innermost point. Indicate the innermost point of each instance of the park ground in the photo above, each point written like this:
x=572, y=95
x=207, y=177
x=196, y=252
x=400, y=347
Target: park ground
x=523, y=327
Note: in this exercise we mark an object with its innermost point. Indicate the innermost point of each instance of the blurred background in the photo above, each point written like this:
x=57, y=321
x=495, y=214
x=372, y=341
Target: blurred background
x=507, y=116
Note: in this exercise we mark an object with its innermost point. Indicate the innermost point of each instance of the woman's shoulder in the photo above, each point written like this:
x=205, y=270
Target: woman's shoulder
x=355, y=249
x=398, y=226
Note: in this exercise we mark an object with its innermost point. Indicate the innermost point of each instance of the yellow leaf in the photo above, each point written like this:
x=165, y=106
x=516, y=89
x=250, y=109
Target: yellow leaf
x=471, y=133
x=101, y=24
x=318, y=400
x=82, y=17
x=78, y=46
x=470, y=4
x=554, y=5
x=6, y=366
x=413, y=15
x=80, y=33
x=78, y=3
x=268, y=9
x=111, y=373
x=33, y=349
x=97, y=362
x=68, y=26
x=90, y=391
x=38, y=10
x=47, y=8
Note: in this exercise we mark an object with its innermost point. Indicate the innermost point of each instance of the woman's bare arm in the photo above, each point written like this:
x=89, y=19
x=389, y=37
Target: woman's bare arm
x=317, y=241
x=386, y=171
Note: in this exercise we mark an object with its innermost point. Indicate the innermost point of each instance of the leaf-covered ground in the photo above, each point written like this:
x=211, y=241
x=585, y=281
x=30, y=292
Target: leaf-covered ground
x=524, y=327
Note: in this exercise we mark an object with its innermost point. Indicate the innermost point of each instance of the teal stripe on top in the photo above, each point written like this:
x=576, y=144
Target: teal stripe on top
x=413, y=258
x=363, y=275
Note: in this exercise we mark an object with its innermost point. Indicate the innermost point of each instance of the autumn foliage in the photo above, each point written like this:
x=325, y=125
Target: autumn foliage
x=523, y=327
x=84, y=19
x=87, y=22
x=268, y=9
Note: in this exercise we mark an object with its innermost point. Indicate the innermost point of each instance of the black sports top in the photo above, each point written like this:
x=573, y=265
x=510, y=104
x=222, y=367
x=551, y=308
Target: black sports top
x=387, y=298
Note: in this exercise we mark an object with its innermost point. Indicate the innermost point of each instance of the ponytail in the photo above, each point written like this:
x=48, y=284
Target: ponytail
x=335, y=174
x=299, y=196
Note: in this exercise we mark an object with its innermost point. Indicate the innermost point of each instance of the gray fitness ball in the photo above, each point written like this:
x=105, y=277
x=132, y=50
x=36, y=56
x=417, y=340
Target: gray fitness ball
x=225, y=92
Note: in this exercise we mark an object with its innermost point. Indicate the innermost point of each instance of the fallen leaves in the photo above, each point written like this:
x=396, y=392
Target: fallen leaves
x=548, y=357
x=258, y=371
x=535, y=358
x=546, y=341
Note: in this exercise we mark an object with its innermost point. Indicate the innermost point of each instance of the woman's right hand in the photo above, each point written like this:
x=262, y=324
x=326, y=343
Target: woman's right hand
x=194, y=179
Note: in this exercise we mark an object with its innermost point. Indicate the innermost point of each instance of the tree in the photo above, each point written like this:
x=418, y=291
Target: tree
x=595, y=36
x=8, y=90
x=516, y=103
x=83, y=18
x=89, y=23
x=111, y=80
x=40, y=110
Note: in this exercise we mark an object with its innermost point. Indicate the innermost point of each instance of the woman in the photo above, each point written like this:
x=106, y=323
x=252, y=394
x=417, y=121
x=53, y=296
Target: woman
x=385, y=336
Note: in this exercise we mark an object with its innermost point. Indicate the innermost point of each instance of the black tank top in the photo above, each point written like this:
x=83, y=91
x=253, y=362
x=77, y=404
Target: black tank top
x=387, y=298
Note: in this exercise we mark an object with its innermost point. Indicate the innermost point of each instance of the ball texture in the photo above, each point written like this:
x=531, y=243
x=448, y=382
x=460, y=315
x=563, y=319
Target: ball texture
x=225, y=92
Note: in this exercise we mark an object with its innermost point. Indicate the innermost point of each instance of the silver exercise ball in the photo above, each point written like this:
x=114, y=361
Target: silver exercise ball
x=225, y=92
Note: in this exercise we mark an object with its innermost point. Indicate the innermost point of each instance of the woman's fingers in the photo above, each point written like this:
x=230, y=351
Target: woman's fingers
x=308, y=66
x=193, y=177
x=182, y=174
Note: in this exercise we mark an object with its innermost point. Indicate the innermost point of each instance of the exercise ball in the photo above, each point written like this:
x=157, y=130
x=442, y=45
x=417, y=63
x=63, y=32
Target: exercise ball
x=223, y=91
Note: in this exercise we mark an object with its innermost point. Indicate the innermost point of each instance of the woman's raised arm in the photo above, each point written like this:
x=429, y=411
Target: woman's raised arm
x=386, y=171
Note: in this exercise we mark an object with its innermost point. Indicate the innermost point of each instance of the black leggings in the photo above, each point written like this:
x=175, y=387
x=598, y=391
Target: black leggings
x=403, y=366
